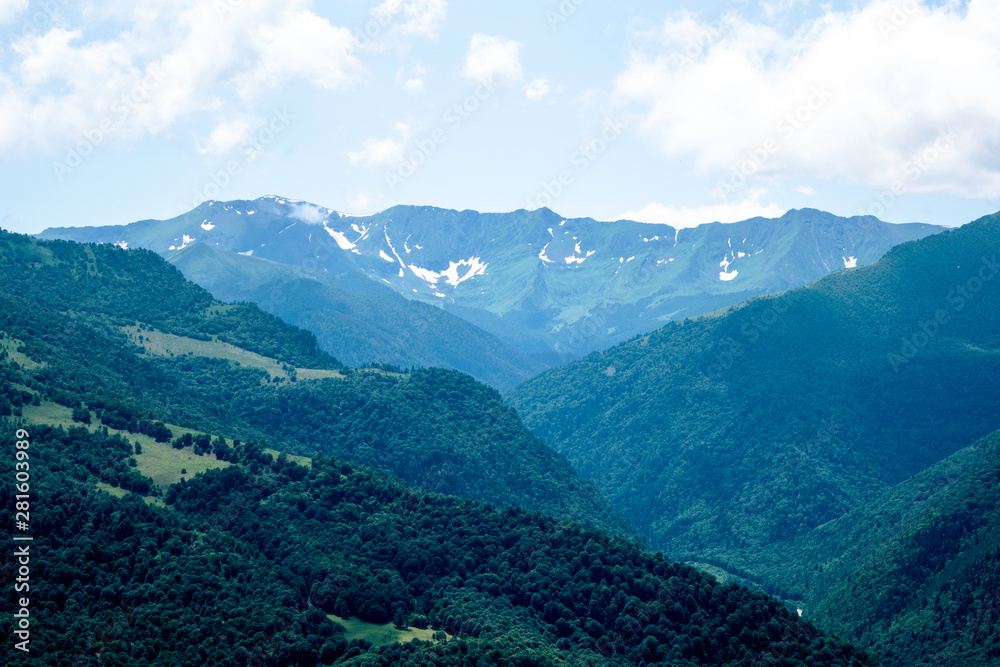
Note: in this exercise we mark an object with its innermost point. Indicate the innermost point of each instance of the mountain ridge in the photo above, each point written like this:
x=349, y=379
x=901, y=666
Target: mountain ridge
x=551, y=287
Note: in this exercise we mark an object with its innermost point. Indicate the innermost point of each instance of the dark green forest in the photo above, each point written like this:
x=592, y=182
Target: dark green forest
x=816, y=444
x=915, y=574
x=243, y=568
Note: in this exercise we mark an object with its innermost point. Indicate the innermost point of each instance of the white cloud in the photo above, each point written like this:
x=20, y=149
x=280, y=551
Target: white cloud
x=175, y=58
x=418, y=18
x=492, y=58
x=411, y=81
x=805, y=190
x=883, y=84
x=11, y=8
x=775, y=7
x=537, y=89
x=386, y=152
x=229, y=134
x=303, y=45
x=309, y=213
x=682, y=216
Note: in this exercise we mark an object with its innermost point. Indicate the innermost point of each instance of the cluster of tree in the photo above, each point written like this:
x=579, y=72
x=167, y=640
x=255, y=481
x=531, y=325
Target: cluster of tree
x=13, y=399
x=119, y=582
x=915, y=574
x=245, y=568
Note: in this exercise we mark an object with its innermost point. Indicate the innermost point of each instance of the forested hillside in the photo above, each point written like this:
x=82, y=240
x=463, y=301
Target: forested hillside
x=81, y=319
x=245, y=568
x=727, y=436
x=915, y=574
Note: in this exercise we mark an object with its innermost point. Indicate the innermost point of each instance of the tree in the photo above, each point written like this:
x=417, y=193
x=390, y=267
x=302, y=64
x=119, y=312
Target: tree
x=81, y=414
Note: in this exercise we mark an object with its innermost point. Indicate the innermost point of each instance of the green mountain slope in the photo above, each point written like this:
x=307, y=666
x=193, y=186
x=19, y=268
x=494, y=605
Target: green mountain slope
x=915, y=573
x=125, y=334
x=550, y=287
x=248, y=568
x=725, y=437
x=358, y=319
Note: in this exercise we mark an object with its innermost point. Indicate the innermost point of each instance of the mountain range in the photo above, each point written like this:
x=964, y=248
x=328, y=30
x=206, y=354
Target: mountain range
x=547, y=288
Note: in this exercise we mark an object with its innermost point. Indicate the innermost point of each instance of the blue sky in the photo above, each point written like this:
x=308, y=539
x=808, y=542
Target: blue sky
x=674, y=112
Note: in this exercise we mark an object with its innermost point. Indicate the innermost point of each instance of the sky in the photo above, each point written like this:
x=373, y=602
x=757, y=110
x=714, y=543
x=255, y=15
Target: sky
x=670, y=112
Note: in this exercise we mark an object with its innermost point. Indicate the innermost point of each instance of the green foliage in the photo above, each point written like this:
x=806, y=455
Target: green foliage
x=726, y=436
x=438, y=429
x=245, y=568
x=249, y=559
x=914, y=574
x=125, y=288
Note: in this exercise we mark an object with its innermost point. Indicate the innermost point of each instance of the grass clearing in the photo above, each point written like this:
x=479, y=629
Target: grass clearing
x=11, y=345
x=160, y=344
x=379, y=635
x=163, y=464
x=301, y=460
x=159, y=460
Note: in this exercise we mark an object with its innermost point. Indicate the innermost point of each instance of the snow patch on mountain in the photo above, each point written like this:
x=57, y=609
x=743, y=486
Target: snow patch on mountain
x=188, y=240
x=384, y=255
x=340, y=238
x=207, y=225
x=850, y=263
x=542, y=256
x=575, y=259
x=454, y=275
